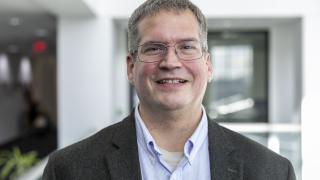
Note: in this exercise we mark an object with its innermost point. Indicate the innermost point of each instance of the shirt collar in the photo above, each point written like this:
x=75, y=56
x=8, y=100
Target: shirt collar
x=198, y=137
x=144, y=137
x=191, y=147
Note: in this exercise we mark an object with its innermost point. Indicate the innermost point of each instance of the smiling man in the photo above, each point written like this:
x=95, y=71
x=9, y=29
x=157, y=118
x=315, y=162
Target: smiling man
x=168, y=135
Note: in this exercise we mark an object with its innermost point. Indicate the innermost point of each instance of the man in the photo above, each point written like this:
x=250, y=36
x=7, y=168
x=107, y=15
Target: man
x=168, y=135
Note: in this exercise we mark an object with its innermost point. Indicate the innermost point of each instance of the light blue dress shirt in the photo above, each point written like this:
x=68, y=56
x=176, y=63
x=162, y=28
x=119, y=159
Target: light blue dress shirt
x=195, y=163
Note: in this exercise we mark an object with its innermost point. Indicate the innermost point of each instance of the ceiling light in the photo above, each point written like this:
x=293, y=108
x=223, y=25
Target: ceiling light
x=41, y=32
x=15, y=21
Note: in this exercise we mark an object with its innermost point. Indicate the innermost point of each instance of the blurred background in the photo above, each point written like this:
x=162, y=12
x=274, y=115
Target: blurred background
x=63, y=76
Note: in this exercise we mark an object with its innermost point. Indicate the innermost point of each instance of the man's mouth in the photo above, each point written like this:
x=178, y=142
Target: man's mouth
x=171, y=81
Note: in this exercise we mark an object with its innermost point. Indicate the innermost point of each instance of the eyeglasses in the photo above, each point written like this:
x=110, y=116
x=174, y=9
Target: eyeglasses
x=155, y=52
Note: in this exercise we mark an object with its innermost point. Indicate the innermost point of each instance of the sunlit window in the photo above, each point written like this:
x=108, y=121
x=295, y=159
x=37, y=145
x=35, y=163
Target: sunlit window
x=25, y=72
x=4, y=70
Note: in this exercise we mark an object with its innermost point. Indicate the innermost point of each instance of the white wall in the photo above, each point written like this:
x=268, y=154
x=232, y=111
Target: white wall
x=84, y=77
x=310, y=107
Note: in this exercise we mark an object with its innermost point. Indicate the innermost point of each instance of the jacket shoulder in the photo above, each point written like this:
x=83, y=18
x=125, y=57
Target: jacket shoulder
x=92, y=144
x=84, y=159
x=259, y=162
x=246, y=146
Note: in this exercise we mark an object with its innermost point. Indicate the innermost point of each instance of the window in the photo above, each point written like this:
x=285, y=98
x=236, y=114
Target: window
x=238, y=92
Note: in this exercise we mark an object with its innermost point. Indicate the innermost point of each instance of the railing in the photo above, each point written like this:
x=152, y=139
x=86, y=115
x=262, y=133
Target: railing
x=263, y=127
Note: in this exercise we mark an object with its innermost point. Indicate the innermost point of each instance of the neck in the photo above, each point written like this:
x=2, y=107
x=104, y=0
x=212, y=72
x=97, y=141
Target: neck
x=171, y=129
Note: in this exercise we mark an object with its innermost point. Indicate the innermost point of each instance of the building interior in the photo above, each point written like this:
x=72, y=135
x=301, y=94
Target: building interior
x=63, y=74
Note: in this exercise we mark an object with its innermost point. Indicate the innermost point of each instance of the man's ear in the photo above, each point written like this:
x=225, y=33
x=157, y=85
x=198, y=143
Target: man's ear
x=209, y=66
x=130, y=68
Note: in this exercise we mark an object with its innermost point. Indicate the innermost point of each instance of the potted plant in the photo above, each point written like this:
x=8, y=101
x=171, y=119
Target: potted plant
x=14, y=163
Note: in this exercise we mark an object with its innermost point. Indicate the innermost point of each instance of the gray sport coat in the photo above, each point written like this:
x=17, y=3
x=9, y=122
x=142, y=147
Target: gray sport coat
x=112, y=154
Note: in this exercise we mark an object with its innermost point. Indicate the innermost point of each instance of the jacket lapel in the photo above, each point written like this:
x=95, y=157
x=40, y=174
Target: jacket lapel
x=123, y=161
x=224, y=165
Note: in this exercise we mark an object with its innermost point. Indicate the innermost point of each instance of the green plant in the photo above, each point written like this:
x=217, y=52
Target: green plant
x=14, y=163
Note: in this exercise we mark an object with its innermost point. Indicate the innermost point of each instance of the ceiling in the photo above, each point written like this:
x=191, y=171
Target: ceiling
x=18, y=6
x=21, y=23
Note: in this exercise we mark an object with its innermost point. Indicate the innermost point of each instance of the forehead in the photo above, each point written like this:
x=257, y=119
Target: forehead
x=169, y=26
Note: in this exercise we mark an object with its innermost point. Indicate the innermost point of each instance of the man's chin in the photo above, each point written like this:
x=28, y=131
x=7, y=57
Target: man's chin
x=172, y=106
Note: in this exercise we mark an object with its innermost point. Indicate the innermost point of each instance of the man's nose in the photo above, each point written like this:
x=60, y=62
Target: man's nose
x=170, y=59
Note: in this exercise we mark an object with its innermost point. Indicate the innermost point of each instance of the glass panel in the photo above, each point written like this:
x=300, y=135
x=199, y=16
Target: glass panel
x=238, y=92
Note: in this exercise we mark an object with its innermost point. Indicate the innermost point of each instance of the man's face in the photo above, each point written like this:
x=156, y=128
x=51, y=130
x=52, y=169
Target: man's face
x=170, y=84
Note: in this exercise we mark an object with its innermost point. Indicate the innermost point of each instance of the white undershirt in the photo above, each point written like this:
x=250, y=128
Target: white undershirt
x=171, y=158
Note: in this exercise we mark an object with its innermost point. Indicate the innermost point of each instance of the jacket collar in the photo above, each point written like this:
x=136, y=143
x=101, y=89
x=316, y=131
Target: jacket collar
x=123, y=161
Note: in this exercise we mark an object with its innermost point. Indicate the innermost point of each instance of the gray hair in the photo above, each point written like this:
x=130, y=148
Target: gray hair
x=152, y=7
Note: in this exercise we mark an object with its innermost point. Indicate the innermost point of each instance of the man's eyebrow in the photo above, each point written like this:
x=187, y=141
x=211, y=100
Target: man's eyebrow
x=188, y=39
x=165, y=42
x=154, y=42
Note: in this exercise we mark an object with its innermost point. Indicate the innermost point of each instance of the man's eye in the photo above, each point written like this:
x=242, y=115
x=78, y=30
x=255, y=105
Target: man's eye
x=153, y=49
x=188, y=47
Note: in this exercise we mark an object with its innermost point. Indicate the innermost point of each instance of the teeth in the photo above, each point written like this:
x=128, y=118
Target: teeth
x=171, y=81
